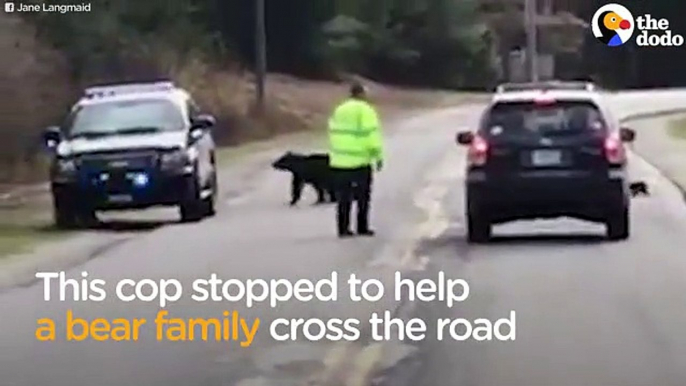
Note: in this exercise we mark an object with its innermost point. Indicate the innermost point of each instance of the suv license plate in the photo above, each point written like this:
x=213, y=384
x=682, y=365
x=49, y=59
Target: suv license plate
x=120, y=198
x=546, y=157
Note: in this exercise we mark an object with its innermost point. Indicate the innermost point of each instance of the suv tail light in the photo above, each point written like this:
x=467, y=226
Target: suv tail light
x=614, y=150
x=478, y=151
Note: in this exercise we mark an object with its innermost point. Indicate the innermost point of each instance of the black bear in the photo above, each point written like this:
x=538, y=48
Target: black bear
x=639, y=188
x=312, y=169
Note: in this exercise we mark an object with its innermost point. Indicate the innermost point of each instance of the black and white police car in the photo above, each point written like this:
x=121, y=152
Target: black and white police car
x=132, y=146
x=545, y=151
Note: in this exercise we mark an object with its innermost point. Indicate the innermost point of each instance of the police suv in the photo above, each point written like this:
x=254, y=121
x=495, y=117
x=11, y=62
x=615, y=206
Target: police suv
x=547, y=150
x=132, y=146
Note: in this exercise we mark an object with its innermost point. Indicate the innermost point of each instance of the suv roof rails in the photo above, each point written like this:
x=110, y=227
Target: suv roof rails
x=127, y=88
x=546, y=85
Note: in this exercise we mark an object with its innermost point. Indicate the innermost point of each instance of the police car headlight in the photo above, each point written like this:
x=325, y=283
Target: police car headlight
x=178, y=159
x=64, y=169
x=65, y=166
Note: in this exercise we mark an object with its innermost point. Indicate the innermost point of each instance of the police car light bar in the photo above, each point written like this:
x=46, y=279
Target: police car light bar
x=131, y=88
x=549, y=85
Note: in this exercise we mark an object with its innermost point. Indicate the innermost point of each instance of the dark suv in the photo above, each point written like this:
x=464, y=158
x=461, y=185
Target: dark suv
x=547, y=154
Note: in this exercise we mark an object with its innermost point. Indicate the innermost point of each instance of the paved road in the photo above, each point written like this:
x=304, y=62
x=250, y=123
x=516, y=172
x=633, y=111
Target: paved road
x=589, y=312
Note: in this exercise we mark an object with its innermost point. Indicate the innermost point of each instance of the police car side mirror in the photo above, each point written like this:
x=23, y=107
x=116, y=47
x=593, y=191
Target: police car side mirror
x=203, y=121
x=52, y=136
x=200, y=125
x=465, y=138
x=195, y=134
x=627, y=135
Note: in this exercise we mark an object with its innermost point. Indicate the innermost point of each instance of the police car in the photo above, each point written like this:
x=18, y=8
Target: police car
x=132, y=146
x=547, y=152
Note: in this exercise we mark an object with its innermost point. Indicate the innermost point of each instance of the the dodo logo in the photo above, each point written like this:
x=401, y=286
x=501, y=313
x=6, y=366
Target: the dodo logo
x=613, y=24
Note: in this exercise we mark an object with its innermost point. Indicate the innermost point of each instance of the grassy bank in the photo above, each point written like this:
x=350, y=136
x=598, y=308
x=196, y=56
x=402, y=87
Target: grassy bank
x=677, y=128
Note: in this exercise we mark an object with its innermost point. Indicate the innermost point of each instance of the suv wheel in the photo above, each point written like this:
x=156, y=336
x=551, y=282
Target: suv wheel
x=618, y=225
x=478, y=227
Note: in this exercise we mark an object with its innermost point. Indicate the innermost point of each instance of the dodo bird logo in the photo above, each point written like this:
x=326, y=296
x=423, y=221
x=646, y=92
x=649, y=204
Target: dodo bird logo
x=613, y=24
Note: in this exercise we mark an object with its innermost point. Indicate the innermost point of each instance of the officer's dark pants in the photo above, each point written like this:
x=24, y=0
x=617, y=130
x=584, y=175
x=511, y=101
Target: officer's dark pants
x=353, y=185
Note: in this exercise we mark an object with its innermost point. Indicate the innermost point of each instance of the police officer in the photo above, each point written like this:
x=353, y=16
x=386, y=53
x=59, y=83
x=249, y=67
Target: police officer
x=355, y=149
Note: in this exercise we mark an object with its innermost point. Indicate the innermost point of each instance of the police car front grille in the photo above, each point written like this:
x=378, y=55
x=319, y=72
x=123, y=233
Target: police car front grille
x=121, y=160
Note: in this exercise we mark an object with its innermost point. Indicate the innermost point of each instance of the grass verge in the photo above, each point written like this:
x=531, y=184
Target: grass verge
x=17, y=239
x=24, y=226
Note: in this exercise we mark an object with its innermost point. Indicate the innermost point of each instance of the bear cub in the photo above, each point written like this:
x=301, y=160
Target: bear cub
x=311, y=169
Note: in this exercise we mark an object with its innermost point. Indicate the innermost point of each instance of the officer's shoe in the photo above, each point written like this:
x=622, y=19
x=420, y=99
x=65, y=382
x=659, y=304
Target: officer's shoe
x=345, y=234
x=366, y=233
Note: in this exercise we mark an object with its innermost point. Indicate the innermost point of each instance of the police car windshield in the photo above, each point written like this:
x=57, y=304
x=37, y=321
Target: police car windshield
x=554, y=118
x=125, y=117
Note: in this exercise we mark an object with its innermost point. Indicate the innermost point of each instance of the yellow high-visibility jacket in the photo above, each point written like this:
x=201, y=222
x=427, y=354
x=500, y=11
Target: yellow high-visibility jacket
x=355, y=138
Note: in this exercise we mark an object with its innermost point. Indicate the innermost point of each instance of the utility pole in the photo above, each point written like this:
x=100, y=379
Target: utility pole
x=260, y=53
x=531, y=27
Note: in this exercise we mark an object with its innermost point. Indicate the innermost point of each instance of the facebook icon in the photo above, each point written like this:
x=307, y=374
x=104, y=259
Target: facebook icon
x=9, y=7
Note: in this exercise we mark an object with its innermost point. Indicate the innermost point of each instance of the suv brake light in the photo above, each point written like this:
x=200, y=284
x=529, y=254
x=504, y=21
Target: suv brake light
x=478, y=151
x=614, y=150
x=544, y=99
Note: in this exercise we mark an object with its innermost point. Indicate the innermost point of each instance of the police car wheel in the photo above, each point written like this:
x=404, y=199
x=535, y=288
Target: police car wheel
x=63, y=212
x=192, y=208
x=211, y=201
x=65, y=219
x=191, y=211
x=68, y=217
x=478, y=228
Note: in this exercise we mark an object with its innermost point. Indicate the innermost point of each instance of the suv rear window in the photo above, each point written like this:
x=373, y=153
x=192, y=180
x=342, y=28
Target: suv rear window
x=561, y=117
